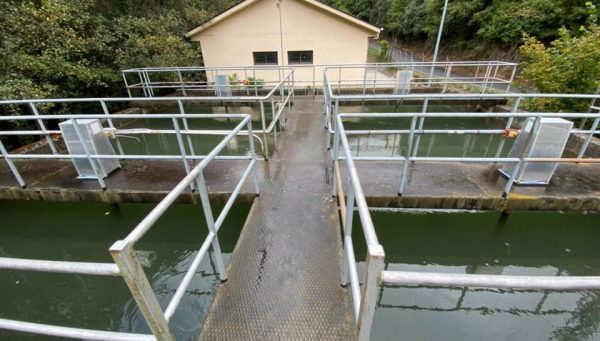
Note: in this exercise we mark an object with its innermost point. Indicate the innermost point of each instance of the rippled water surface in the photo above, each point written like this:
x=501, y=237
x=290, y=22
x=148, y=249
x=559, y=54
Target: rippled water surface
x=524, y=243
x=84, y=232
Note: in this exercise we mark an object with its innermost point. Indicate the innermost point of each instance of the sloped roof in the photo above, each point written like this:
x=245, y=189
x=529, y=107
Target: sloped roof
x=244, y=4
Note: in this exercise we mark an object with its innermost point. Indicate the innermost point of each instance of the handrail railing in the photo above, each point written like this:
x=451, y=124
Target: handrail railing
x=363, y=302
x=520, y=161
x=482, y=75
x=375, y=277
x=127, y=264
x=280, y=99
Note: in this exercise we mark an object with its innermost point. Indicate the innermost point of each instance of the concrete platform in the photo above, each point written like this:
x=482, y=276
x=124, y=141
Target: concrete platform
x=475, y=186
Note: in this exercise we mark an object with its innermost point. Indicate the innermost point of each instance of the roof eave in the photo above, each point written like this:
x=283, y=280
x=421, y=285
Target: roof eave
x=241, y=6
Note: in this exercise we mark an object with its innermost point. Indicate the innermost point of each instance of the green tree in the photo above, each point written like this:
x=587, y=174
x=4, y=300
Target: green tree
x=571, y=64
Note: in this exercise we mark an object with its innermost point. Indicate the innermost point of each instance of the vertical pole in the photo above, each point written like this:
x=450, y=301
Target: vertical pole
x=512, y=77
x=375, y=77
x=413, y=123
x=93, y=162
x=253, y=155
x=186, y=126
x=124, y=256
x=186, y=163
x=150, y=87
x=264, y=130
x=509, y=123
x=11, y=165
x=486, y=78
x=43, y=128
x=438, y=40
x=447, y=76
x=347, y=230
x=181, y=82
x=588, y=139
x=112, y=126
x=255, y=82
x=126, y=85
x=335, y=155
x=143, y=84
x=373, y=268
x=421, y=123
x=210, y=222
x=275, y=123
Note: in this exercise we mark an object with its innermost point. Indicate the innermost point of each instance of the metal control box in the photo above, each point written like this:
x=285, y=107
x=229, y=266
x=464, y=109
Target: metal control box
x=90, y=131
x=549, y=141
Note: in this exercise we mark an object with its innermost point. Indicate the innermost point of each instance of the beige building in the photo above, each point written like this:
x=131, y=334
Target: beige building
x=295, y=33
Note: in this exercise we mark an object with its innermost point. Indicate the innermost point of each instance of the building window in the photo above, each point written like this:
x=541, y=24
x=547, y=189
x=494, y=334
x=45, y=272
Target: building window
x=265, y=58
x=300, y=57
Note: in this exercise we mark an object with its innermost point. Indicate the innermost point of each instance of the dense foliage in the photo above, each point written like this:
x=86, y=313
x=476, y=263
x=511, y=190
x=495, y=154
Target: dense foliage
x=559, y=40
x=472, y=21
x=73, y=48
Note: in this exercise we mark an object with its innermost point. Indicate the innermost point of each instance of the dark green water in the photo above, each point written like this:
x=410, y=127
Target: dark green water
x=166, y=144
x=84, y=232
x=432, y=145
x=526, y=243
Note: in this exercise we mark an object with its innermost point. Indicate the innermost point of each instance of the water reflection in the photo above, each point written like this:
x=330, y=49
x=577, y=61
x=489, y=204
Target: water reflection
x=84, y=232
x=527, y=243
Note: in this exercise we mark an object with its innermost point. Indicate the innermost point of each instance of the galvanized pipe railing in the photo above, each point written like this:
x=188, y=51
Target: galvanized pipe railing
x=411, y=155
x=127, y=264
x=364, y=299
x=309, y=76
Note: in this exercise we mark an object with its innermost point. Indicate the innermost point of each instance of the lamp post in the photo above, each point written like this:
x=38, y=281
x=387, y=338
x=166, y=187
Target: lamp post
x=439, y=38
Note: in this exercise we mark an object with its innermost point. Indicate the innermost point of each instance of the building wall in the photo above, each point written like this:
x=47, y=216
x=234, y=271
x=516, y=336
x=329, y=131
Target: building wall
x=256, y=29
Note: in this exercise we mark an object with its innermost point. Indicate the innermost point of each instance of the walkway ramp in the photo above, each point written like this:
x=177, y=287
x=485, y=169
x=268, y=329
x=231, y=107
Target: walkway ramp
x=284, y=274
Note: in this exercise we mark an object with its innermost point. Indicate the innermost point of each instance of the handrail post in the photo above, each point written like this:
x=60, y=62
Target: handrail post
x=588, y=139
x=509, y=123
x=210, y=222
x=264, y=130
x=181, y=82
x=112, y=126
x=93, y=162
x=43, y=129
x=11, y=165
x=448, y=73
x=420, y=127
x=186, y=126
x=126, y=84
x=347, y=232
x=335, y=155
x=373, y=268
x=275, y=123
x=413, y=123
x=253, y=154
x=186, y=162
x=124, y=256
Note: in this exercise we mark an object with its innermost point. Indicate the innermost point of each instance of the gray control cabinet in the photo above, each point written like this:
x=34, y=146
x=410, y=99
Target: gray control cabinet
x=97, y=144
x=549, y=142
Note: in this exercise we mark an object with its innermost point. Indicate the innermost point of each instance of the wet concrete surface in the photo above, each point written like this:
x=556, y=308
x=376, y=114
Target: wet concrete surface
x=475, y=186
x=135, y=181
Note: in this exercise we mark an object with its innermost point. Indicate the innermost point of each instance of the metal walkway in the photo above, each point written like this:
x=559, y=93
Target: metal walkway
x=284, y=274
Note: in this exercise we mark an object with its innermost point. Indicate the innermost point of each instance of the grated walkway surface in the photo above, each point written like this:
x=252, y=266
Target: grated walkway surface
x=284, y=272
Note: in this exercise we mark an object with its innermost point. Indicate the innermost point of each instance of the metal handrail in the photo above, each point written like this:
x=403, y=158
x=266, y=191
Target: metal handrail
x=364, y=303
x=127, y=264
x=415, y=132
